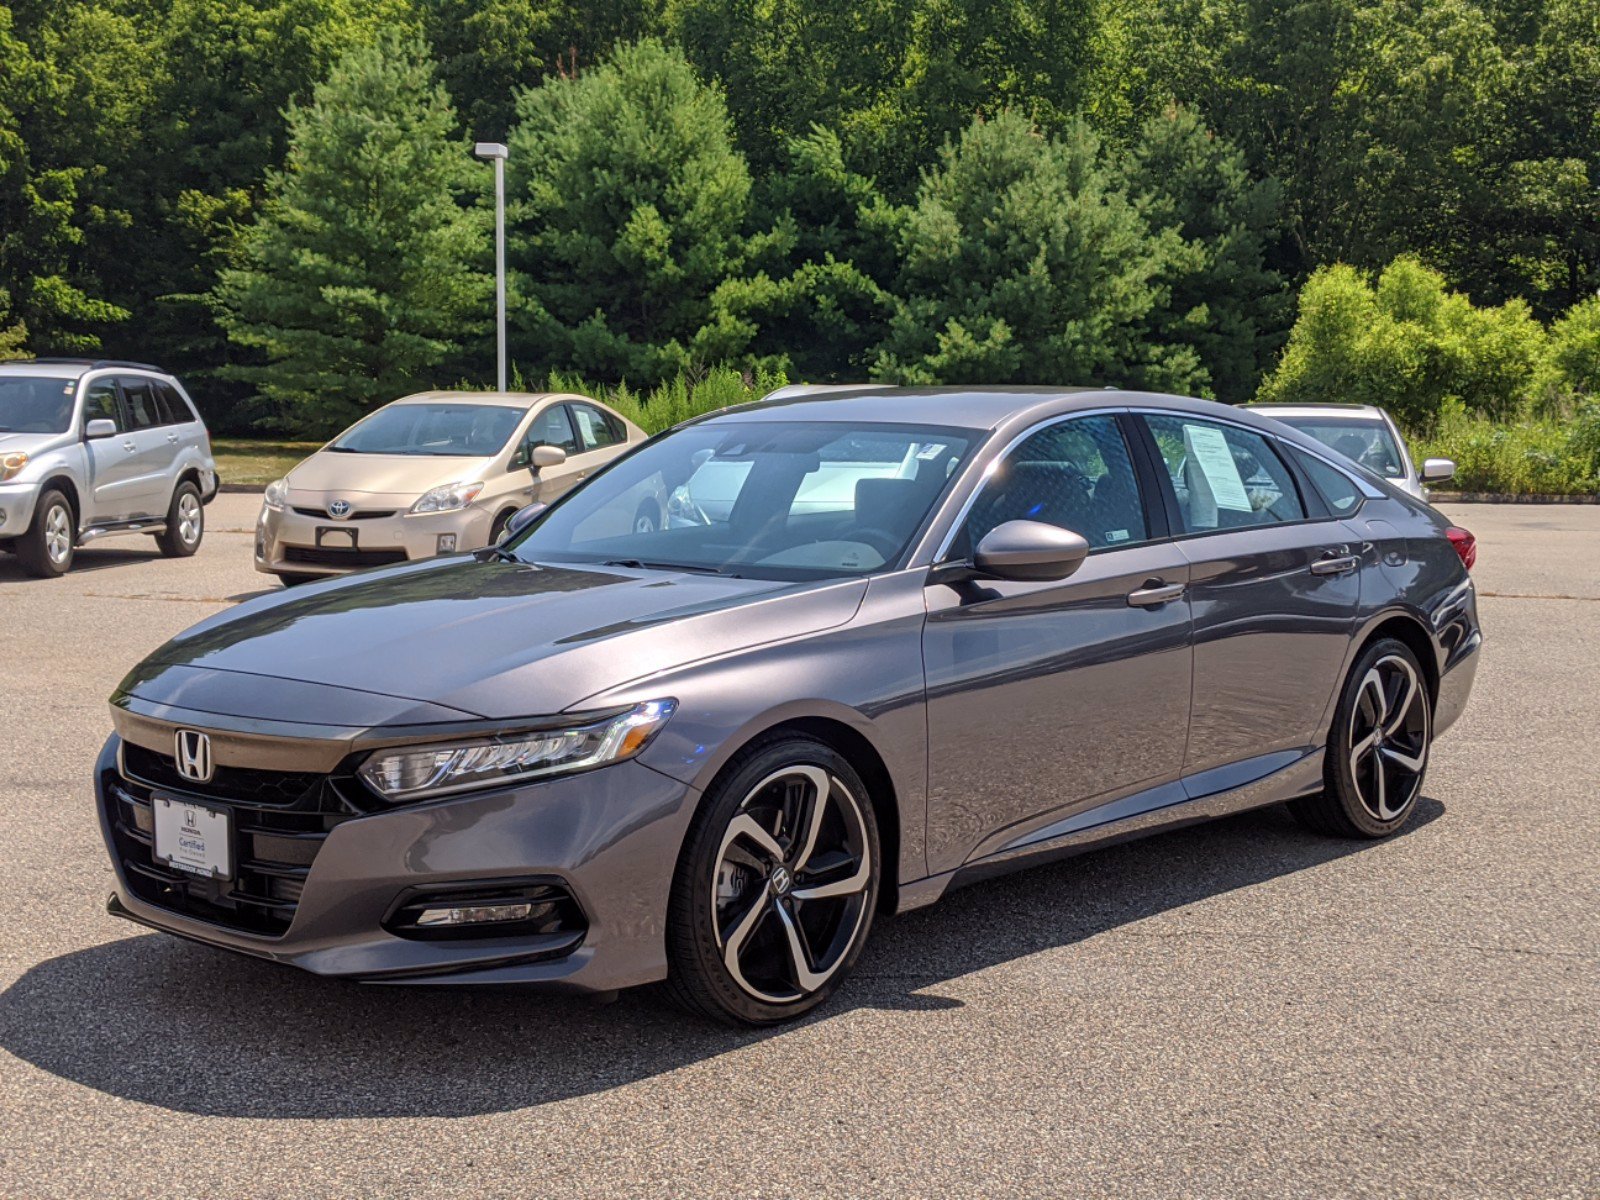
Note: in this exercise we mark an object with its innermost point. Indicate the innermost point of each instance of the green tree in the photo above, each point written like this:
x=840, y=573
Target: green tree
x=630, y=210
x=364, y=271
x=1408, y=344
x=1224, y=300
x=1025, y=261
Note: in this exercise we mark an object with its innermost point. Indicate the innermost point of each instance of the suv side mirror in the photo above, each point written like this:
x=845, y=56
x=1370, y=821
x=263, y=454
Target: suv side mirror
x=1029, y=551
x=521, y=519
x=100, y=427
x=548, y=456
x=1437, y=470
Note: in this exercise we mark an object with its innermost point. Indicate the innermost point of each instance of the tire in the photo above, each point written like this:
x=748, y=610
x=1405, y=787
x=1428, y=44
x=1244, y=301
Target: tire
x=499, y=526
x=291, y=579
x=648, y=517
x=186, y=523
x=48, y=548
x=751, y=855
x=1377, y=749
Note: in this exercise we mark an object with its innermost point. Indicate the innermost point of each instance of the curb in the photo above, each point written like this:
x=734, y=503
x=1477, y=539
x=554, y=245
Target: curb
x=242, y=489
x=1508, y=498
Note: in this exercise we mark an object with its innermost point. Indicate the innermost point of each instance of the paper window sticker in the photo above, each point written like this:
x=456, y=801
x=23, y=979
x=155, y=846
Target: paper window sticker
x=1208, y=450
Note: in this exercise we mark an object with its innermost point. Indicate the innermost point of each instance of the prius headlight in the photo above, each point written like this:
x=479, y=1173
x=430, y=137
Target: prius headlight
x=277, y=493
x=419, y=772
x=447, y=497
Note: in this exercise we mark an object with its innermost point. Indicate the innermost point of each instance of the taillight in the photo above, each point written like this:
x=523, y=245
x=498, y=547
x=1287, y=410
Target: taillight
x=1466, y=545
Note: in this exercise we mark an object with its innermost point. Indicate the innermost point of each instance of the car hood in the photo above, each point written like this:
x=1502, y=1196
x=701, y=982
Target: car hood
x=327, y=472
x=489, y=638
x=31, y=443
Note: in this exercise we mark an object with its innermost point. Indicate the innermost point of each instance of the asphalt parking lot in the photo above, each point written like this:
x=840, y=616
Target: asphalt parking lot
x=1239, y=1008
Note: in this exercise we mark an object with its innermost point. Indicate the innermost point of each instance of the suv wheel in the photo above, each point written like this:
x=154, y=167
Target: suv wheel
x=46, y=550
x=776, y=886
x=186, y=523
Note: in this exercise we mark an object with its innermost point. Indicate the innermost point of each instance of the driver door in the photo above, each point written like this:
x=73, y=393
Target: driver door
x=1049, y=698
x=113, y=461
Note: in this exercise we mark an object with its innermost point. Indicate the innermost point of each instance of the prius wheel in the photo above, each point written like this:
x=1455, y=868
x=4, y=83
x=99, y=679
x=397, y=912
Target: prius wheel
x=775, y=888
x=1377, y=749
x=186, y=523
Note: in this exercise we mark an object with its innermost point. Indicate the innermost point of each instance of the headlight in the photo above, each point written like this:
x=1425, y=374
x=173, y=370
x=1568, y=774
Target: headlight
x=447, y=497
x=277, y=493
x=419, y=772
x=11, y=465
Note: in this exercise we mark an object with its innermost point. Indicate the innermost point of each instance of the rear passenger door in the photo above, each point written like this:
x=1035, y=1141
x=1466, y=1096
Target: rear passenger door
x=1273, y=587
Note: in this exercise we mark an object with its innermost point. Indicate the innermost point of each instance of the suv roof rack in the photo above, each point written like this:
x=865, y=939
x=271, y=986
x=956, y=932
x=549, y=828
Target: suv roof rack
x=94, y=364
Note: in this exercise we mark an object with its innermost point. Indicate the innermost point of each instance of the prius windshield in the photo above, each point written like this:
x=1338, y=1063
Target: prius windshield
x=36, y=403
x=763, y=500
x=443, y=429
x=1363, y=440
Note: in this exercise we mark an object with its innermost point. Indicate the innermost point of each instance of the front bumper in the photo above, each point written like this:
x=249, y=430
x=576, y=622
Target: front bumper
x=609, y=837
x=17, y=501
x=289, y=542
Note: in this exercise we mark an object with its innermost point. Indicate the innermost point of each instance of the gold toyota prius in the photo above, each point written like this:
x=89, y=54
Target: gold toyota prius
x=432, y=474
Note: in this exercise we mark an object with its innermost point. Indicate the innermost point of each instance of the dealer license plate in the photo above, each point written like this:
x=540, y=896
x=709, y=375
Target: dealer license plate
x=193, y=838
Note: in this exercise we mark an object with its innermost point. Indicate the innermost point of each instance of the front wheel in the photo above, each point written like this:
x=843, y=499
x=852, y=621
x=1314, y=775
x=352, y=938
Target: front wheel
x=186, y=523
x=46, y=550
x=776, y=886
x=1377, y=749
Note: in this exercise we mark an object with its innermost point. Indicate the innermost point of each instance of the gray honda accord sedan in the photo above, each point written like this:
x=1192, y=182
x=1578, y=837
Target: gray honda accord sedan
x=881, y=644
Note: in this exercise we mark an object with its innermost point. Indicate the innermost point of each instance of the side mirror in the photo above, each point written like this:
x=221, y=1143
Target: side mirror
x=1437, y=470
x=100, y=427
x=548, y=456
x=522, y=518
x=1029, y=551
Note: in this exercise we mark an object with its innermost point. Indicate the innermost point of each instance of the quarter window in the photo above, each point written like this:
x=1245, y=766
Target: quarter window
x=171, y=406
x=594, y=430
x=1342, y=495
x=1076, y=475
x=1225, y=477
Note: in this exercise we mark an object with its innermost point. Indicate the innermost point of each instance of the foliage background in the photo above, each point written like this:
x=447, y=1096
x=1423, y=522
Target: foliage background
x=1394, y=201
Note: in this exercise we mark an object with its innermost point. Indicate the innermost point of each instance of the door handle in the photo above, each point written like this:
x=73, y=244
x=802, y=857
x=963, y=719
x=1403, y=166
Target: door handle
x=1154, y=594
x=129, y=446
x=1339, y=565
x=173, y=438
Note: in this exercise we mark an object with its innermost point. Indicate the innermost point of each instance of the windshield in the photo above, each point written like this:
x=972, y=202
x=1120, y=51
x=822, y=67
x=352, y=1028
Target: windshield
x=36, y=403
x=454, y=430
x=1364, y=440
x=765, y=500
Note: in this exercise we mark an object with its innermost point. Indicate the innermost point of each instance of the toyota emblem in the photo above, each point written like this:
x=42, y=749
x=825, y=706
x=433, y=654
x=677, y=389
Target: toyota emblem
x=339, y=508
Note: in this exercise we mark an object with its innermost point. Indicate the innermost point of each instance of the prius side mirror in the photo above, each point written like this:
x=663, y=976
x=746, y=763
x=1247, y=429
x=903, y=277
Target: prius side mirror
x=100, y=427
x=1029, y=551
x=522, y=518
x=1437, y=470
x=548, y=456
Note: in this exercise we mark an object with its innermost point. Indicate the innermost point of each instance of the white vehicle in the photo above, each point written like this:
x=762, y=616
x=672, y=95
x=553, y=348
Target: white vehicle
x=1367, y=436
x=93, y=447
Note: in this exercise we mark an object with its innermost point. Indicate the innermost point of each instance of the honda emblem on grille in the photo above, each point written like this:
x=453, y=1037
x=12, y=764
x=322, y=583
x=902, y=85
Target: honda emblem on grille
x=192, y=750
x=339, y=508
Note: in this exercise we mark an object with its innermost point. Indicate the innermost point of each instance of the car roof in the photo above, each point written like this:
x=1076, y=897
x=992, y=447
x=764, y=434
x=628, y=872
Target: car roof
x=488, y=398
x=975, y=407
x=1318, y=410
x=75, y=368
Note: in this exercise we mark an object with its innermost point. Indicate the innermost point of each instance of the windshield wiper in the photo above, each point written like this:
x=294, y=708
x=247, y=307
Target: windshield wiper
x=639, y=564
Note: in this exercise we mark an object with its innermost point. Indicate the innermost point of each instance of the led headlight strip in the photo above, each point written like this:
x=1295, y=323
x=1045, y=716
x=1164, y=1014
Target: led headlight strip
x=421, y=772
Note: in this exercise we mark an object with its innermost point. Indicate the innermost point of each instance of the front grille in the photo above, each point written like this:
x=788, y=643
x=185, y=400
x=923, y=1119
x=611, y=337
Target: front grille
x=360, y=514
x=312, y=556
x=275, y=840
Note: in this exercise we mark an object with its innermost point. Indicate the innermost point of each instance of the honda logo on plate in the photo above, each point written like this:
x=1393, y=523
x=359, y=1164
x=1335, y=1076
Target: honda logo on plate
x=193, y=752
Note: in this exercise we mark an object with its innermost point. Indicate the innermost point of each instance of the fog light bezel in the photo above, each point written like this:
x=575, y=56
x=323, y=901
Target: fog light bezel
x=557, y=917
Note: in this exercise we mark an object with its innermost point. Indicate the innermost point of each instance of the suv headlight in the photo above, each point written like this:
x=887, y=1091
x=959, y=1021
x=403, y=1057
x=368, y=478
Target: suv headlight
x=421, y=772
x=11, y=465
x=277, y=493
x=447, y=497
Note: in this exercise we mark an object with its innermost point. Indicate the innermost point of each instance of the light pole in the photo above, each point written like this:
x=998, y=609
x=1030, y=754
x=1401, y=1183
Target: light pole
x=498, y=153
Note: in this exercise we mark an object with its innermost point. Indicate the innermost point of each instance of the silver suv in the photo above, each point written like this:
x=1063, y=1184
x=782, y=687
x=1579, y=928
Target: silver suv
x=90, y=448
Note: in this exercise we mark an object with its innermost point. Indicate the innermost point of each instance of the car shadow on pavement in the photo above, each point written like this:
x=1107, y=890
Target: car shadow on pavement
x=98, y=559
x=170, y=1023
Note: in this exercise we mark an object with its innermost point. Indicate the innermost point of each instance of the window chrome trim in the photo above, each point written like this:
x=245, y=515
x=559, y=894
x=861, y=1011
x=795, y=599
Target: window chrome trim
x=987, y=470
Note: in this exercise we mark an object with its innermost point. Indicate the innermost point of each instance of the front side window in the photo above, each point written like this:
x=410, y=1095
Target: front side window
x=100, y=404
x=36, y=403
x=441, y=430
x=768, y=500
x=1225, y=477
x=1076, y=475
x=552, y=427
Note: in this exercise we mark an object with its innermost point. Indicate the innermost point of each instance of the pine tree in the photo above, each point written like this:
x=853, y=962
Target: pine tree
x=363, y=273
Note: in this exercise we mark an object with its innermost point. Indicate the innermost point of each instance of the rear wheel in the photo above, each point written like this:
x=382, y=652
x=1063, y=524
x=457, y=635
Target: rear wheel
x=47, y=549
x=648, y=517
x=775, y=888
x=186, y=523
x=1377, y=749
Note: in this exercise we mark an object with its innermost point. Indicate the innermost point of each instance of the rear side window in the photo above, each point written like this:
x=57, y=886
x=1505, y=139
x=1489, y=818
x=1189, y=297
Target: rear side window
x=1337, y=488
x=140, y=398
x=1076, y=475
x=100, y=404
x=1225, y=477
x=594, y=430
